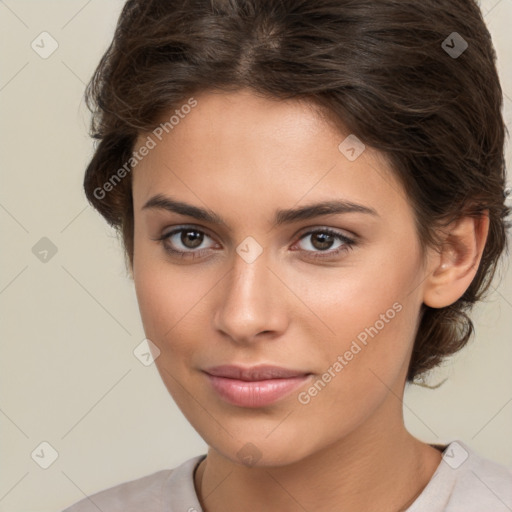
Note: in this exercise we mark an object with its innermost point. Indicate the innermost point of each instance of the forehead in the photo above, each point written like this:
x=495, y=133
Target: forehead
x=242, y=118
x=238, y=147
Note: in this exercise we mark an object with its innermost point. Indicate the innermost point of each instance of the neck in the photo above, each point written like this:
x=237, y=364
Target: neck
x=371, y=469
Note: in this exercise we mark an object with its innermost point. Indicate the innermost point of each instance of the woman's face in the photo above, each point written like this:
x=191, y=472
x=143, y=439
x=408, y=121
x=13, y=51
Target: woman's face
x=264, y=277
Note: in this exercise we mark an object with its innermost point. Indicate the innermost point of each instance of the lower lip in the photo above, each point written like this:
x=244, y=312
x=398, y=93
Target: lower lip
x=255, y=393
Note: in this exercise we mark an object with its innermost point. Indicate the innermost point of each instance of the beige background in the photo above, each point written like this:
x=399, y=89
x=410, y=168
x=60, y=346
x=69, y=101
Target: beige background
x=69, y=325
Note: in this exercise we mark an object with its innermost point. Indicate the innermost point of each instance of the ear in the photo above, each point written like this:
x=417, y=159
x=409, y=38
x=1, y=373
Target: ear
x=452, y=269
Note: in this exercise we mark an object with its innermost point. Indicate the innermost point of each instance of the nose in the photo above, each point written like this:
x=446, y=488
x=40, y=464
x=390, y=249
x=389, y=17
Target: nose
x=252, y=303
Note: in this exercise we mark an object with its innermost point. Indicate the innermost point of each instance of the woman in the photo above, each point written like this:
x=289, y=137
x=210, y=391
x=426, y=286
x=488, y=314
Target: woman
x=311, y=197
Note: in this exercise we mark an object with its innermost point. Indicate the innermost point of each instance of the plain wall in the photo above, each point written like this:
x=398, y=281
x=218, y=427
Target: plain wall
x=69, y=325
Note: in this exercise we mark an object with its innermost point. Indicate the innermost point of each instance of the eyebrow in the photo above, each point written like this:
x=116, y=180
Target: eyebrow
x=287, y=216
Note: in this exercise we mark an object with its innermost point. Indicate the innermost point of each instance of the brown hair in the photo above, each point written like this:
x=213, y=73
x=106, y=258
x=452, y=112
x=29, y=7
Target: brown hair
x=380, y=68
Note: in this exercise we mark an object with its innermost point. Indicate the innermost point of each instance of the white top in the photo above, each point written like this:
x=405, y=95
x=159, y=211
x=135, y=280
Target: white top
x=463, y=482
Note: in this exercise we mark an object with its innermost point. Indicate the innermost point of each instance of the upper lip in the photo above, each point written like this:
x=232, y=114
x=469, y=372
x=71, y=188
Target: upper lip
x=254, y=373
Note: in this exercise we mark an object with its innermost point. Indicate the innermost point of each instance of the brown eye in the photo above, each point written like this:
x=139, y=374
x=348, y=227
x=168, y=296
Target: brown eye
x=325, y=243
x=322, y=241
x=191, y=238
x=186, y=241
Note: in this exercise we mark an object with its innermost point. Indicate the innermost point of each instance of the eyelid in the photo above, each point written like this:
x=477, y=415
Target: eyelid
x=183, y=227
x=333, y=231
x=347, y=241
x=178, y=229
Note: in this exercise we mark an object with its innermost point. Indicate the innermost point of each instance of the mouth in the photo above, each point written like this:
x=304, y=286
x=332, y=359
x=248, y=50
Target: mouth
x=256, y=386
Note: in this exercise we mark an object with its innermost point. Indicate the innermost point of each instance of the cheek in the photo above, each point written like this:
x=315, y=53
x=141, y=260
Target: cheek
x=163, y=298
x=362, y=365
x=351, y=299
x=371, y=314
x=165, y=308
x=160, y=294
x=173, y=304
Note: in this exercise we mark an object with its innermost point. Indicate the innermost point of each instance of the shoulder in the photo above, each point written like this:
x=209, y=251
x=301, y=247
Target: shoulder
x=481, y=484
x=138, y=492
x=465, y=481
x=149, y=493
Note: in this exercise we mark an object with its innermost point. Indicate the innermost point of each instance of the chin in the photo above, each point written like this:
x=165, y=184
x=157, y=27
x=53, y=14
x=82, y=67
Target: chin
x=261, y=449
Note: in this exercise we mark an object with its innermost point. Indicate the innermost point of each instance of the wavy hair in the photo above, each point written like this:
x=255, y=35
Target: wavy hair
x=380, y=69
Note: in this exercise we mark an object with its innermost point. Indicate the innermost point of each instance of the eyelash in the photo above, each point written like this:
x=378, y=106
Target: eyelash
x=348, y=243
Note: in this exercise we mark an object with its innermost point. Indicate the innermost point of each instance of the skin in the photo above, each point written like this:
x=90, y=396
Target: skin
x=243, y=157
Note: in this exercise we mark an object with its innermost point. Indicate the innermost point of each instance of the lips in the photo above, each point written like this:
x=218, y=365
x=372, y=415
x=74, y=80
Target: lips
x=255, y=373
x=253, y=387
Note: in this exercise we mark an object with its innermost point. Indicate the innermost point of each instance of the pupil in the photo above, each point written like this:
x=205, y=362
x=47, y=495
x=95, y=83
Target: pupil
x=325, y=240
x=191, y=239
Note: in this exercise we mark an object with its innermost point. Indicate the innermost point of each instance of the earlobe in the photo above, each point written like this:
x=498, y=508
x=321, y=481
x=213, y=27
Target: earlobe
x=452, y=269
